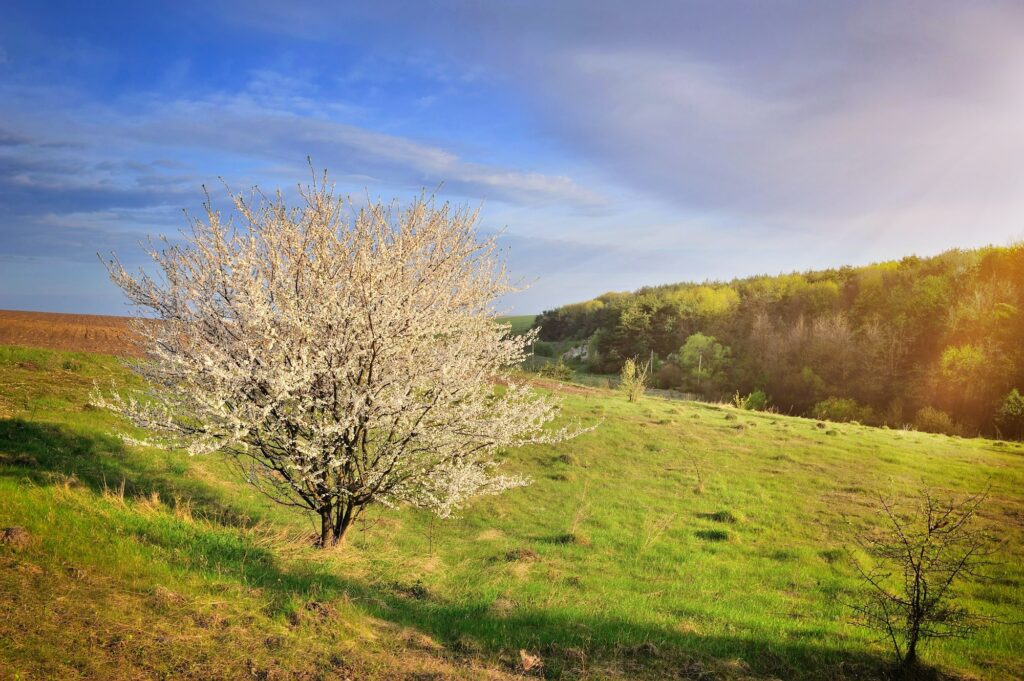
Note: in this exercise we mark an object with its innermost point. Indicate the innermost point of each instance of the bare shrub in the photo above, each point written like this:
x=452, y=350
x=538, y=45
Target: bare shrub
x=914, y=564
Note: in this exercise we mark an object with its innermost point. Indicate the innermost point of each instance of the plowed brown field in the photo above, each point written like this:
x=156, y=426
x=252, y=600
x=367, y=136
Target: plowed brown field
x=81, y=332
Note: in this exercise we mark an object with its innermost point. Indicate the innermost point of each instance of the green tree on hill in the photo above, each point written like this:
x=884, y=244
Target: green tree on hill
x=941, y=332
x=705, y=362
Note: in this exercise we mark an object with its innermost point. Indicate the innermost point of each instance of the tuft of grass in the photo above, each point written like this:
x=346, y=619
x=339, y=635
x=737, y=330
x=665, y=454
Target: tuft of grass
x=521, y=555
x=713, y=535
x=572, y=538
x=721, y=517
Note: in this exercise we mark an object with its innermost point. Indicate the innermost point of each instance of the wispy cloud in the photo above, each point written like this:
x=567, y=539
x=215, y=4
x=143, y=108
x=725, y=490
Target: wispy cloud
x=244, y=125
x=100, y=177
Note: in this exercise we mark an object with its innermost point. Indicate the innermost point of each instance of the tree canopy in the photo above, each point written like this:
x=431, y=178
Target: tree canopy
x=341, y=356
x=943, y=333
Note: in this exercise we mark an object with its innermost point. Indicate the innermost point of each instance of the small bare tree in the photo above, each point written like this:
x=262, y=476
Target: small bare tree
x=343, y=357
x=915, y=562
x=633, y=379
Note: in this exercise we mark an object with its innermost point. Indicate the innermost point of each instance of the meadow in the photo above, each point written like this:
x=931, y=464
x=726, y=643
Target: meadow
x=519, y=323
x=676, y=540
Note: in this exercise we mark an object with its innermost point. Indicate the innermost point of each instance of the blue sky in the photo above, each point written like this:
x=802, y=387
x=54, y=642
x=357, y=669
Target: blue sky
x=618, y=144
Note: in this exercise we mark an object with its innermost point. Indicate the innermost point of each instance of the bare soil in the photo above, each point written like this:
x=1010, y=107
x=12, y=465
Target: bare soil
x=77, y=332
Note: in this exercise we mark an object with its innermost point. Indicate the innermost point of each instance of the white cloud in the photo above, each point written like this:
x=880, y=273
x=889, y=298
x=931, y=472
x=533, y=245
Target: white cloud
x=288, y=128
x=829, y=118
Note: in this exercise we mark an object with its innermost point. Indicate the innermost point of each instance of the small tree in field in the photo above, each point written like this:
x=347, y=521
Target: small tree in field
x=1010, y=417
x=633, y=380
x=341, y=357
x=915, y=563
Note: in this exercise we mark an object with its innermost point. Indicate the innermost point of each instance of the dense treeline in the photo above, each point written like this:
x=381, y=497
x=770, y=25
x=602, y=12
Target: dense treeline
x=934, y=342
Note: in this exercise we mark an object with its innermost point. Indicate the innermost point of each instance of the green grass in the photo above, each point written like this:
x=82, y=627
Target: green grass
x=520, y=323
x=612, y=564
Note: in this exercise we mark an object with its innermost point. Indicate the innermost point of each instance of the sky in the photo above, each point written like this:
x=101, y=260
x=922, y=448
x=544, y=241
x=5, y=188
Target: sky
x=611, y=144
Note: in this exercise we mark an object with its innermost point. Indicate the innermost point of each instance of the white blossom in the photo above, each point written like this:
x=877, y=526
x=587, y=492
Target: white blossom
x=341, y=356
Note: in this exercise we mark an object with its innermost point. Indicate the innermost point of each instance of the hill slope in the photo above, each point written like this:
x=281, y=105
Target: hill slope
x=612, y=564
x=901, y=339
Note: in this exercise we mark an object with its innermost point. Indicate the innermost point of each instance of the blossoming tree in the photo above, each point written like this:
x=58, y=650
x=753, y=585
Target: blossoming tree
x=341, y=356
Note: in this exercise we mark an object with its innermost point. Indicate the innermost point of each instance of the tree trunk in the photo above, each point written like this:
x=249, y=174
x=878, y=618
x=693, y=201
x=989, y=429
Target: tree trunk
x=326, y=528
x=334, y=524
x=346, y=514
x=910, y=659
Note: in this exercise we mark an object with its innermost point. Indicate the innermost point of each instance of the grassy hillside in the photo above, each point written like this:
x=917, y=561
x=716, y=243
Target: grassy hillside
x=611, y=565
x=520, y=323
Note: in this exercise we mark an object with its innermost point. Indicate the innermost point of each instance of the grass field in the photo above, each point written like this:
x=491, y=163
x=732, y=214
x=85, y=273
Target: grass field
x=612, y=564
x=520, y=323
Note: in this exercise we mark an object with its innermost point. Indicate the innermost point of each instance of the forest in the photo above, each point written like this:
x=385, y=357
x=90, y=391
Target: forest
x=933, y=343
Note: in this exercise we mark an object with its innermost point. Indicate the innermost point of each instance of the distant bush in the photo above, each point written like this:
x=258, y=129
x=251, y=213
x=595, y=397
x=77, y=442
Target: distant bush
x=755, y=401
x=893, y=415
x=668, y=376
x=557, y=370
x=932, y=420
x=1010, y=417
x=542, y=349
x=843, y=409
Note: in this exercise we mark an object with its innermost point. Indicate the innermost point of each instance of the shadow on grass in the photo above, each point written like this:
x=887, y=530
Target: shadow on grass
x=48, y=453
x=303, y=588
x=568, y=644
x=306, y=590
